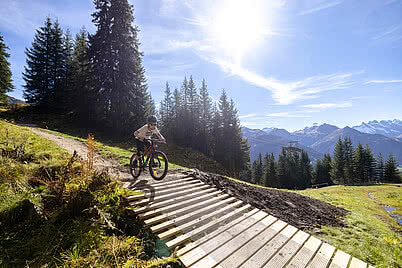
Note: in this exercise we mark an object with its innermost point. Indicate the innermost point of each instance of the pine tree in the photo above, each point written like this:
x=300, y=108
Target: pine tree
x=359, y=164
x=82, y=93
x=391, y=173
x=37, y=74
x=166, y=112
x=45, y=74
x=338, y=163
x=5, y=71
x=369, y=164
x=270, y=174
x=380, y=168
x=205, y=119
x=258, y=170
x=348, y=158
x=117, y=66
x=305, y=178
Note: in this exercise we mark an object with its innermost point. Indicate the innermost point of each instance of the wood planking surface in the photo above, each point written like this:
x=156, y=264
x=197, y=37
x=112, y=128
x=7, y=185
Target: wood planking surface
x=323, y=256
x=288, y=250
x=248, y=249
x=268, y=250
x=305, y=254
x=222, y=241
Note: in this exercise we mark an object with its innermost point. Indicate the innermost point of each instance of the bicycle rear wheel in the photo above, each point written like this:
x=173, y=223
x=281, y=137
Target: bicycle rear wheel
x=158, y=165
x=135, y=166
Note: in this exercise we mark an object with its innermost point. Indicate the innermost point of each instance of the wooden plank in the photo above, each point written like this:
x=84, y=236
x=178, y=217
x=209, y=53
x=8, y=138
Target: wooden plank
x=356, y=263
x=323, y=256
x=164, y=185
x=176, y=213
x=178, y=205
x=251, y=247
x=185, y=218
x=341, y=260
x=237, y=242
x=159, y=197
x=183, y=227
x=305, y=254
x=218, y=231
x=288, y=250
x=155, y=204
x=162, y=192
x=212, y=242
x=264, y=254
x=213, y=224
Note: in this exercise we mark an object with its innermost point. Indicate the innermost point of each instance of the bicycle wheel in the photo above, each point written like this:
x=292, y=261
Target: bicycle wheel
x=158, y=165
x=135, y=166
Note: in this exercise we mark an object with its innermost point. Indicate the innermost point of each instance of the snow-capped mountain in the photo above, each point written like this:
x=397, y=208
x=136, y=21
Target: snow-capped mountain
x=381, y=136
x=389, y=128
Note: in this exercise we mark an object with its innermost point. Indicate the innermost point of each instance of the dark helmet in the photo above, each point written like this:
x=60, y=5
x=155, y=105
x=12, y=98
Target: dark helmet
x=151, y=119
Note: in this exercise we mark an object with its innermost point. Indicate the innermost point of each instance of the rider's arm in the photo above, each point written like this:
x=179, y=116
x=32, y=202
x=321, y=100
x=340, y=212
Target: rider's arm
x=159, y=134
x=140, y=133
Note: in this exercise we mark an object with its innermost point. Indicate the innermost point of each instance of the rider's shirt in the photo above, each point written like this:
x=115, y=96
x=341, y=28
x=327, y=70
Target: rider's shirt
x=146, y=132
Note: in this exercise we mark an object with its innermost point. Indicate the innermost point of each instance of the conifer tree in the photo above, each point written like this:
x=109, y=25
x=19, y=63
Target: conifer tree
x=166, y=112
x=46, y=67
x=205, y=119
x=83, y=95
x=338, y=163
x=5, y=71
x=369, y=164
x=359, y=164
x=117, y=66
x=270, y=176
x=391, y=173
x=348, y=158
x=380, y=168
x=258, y=170
x=304, y=180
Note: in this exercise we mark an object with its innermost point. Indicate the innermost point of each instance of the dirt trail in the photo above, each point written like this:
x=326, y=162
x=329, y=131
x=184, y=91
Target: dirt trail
x=300, y=211
x=71, y=145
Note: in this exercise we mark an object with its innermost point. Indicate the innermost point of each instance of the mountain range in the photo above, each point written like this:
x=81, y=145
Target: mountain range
x=382, y=136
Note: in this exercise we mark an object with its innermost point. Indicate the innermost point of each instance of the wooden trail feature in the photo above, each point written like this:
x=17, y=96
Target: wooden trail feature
x=209, y=228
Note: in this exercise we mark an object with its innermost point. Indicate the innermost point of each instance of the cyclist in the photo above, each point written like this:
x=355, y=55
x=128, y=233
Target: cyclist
x=143, y=134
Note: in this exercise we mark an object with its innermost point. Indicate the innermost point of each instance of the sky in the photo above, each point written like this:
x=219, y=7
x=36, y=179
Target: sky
x=286, y=64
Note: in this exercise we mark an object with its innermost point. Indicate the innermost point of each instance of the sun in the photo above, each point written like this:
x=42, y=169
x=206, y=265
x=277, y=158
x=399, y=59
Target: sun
x=236, y=27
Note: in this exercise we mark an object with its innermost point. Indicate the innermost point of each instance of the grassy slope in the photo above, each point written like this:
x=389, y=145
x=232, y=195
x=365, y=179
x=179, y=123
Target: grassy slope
x=55, y=238
x=371, y=234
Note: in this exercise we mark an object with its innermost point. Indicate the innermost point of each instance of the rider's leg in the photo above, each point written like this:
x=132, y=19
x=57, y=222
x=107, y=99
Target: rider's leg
x=140, y=148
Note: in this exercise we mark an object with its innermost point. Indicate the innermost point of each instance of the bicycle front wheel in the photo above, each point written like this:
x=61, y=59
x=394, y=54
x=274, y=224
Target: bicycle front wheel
x=158, y=165
x=135, y=166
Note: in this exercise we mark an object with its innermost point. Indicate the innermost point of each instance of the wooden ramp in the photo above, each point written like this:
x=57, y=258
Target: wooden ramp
x=209, y=228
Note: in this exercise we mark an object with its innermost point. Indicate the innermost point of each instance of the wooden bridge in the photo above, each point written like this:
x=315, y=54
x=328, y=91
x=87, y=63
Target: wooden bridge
x=212, y=229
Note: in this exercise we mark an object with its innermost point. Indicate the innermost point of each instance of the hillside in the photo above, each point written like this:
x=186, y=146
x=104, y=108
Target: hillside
x=287, y=206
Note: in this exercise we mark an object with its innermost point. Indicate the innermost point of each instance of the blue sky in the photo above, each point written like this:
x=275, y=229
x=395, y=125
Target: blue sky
x=286, y=64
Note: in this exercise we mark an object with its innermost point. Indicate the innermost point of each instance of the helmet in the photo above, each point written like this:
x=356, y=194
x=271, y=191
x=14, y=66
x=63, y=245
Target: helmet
x=151, y=119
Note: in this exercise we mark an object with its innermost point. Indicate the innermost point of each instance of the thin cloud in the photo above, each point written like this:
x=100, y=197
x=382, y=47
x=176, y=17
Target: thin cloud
x=288, y=115
x=289, y=92
x=320, y=7
x=321, y=106
x=383, y=81
x=247, y=116
x=388, y=32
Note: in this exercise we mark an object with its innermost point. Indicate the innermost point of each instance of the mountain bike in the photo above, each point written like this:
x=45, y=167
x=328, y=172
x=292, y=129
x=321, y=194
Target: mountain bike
x=156, y=161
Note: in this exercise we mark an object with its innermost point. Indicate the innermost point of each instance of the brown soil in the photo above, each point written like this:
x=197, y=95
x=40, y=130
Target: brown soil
x=300, y=211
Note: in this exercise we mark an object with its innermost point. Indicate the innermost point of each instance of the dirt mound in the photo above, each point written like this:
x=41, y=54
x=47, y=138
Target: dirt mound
x=300, y=211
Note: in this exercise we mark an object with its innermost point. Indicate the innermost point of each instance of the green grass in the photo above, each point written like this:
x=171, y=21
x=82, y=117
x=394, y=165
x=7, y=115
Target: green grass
x=53, y=216
x=371, y=233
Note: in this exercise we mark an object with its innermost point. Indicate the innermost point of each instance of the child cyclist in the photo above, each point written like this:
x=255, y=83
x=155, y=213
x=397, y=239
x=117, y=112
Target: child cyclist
x=143, y=134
